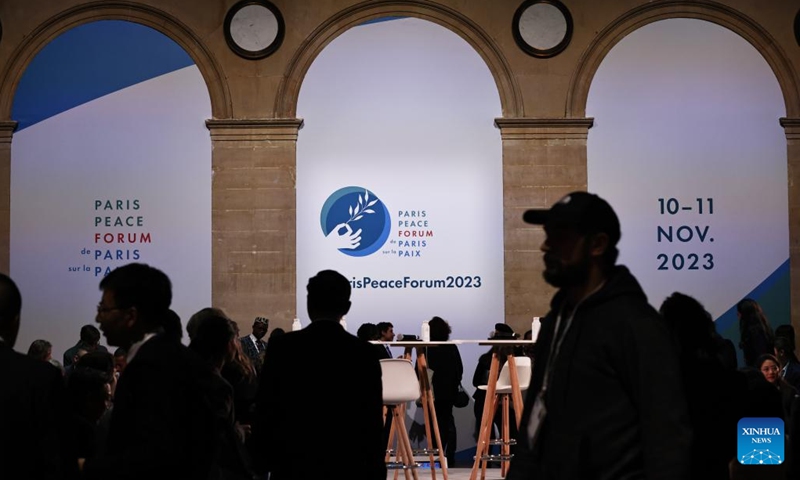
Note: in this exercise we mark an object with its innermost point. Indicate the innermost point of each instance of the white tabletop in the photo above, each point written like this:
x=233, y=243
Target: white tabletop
x=420, y=343
x=415, y=343
x=501, y=342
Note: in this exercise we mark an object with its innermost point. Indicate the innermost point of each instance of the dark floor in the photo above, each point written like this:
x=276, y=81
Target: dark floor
x=452, y=474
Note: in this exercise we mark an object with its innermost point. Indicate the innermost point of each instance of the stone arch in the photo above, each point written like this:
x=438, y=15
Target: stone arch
x=719, y=14
x=120, y=10
x=289, y=89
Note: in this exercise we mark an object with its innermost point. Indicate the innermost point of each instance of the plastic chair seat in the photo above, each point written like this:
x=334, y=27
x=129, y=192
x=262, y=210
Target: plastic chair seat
x=504, y=380
x=400, y=383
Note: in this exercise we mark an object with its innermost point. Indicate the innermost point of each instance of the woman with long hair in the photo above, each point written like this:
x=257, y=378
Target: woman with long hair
x=769, y=366
x=241, y=374
x=214, y=340
x=41, y=350
x=756, y=337
x=445, y=361
x=715, y=392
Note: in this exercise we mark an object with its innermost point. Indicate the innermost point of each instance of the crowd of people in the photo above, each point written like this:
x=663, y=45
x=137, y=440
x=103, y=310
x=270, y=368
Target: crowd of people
x=618, y=389
x=225, y=407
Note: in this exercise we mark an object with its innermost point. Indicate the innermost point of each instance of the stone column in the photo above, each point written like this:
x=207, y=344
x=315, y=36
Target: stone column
x=6, y=131
x=253, y=219
x=543, y=159
x=792, y=129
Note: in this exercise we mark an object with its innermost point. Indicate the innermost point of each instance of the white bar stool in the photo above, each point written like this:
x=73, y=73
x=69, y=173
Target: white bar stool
x=400, y=385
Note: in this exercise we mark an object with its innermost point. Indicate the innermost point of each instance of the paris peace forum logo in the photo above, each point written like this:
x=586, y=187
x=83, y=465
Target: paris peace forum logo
x=760, y=441
x=355, y=221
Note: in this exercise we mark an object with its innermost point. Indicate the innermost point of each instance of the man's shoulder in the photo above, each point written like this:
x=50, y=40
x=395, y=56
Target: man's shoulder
x=625, y=316
x=793, y=372
x=246, y=343
x=380, y=351
x=627, y=308
x=163, y=353
x=16, y=365
x=363, y=352
x=70, y=353
x=346, y=343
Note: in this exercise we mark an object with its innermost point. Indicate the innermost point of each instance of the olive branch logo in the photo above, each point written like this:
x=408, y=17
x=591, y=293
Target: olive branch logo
x=358, y=210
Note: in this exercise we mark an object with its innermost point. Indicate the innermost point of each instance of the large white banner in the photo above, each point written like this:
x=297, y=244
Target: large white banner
x=688, y=149
x=399, y=181
x=111, y=165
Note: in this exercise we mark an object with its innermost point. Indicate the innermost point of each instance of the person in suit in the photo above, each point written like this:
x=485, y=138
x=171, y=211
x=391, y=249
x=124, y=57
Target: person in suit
x=321, y=369
x=89, y=342
x=385, y=334
x=252, y=345
x=31, y=403
x=163, y=424
x=790, y=366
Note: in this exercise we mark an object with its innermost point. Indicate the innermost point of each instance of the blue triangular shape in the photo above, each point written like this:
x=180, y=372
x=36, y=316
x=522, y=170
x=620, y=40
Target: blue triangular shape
x=91, y=61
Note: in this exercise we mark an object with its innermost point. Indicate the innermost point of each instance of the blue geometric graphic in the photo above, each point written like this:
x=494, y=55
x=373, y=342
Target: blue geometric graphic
x=761, y=441
x=91, y=61
x=355, y=221
x=773, y=294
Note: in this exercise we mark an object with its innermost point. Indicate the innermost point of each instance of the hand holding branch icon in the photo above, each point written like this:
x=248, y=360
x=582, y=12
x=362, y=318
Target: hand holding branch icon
x=346, y=239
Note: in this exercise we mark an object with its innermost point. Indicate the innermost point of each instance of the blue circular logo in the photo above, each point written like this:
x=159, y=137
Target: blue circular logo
x=355, y=221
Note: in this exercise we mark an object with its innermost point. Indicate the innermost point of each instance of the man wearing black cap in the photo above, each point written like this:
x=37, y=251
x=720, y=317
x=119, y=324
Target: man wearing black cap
x=606, y=398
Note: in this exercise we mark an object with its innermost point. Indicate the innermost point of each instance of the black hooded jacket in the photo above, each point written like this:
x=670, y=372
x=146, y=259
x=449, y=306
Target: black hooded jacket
x=615, y=402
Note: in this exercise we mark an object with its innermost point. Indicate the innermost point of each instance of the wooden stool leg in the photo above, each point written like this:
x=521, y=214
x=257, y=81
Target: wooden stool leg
x=515, y=391
x=392, y=430
x=400, y=451
x=484, y=463
x=486, y=420
x=400, y=411
x=484, y=436
x=429, y=414
x=438, y=435
x=408, y=452
x=506, y=450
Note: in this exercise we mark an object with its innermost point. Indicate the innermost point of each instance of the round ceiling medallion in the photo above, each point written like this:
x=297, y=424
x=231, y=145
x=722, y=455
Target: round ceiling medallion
x=254, y=28
x=542, y=28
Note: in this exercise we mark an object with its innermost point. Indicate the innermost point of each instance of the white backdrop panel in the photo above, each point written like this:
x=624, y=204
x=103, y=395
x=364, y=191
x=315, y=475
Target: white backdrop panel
x=146, y=143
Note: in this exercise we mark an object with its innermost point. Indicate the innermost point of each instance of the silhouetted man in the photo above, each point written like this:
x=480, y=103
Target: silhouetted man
x=790, y=365
x=319, y=405
x=161, y=425
x=31, y=403
x=606, y=398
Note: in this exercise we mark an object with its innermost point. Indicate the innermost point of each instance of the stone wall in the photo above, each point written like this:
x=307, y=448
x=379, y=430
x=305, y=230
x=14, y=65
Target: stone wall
x=254, y=129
